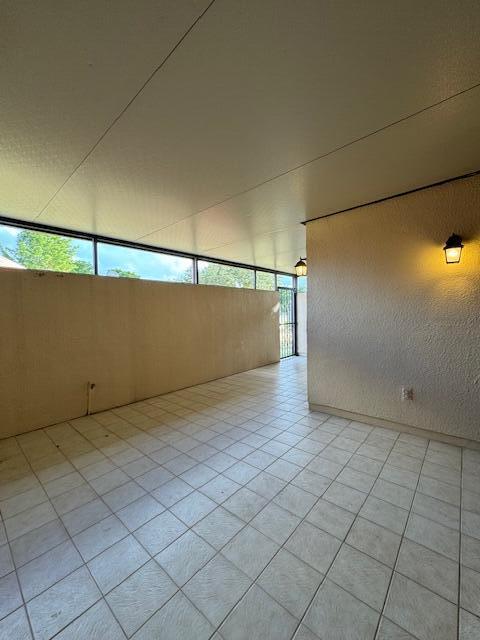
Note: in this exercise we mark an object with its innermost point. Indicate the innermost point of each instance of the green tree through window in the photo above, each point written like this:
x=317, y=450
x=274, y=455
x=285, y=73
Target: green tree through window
x=224, y=275
x=37, y=250
x=117, y=272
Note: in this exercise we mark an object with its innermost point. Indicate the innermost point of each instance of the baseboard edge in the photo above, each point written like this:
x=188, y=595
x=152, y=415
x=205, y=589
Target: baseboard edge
x=397, y=426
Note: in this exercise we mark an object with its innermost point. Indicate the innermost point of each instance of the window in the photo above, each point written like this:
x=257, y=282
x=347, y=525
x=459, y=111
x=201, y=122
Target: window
x=302, y=284
x=125, y=262
x=224, y=275
x=45, y=251
x=284, y=281
x=265, y=280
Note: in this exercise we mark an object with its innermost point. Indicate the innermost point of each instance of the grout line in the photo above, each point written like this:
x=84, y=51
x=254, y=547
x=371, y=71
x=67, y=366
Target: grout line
x=335, y=557
x=400, y=546
x=460, y=546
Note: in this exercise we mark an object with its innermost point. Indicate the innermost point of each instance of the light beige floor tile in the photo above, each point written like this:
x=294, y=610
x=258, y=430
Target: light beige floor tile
x=99, y=537
x=258, y=617
x=433, y=535
x=85, y=516
x=136, y=599
x=393, y=493
x=15, y=626
x=304, y=633
x=171, y=492
x=185, y=556
x=96, y=622
x=440, y=490
x=159, y=532
x=10, y=596
x=345, y=497
x=356, y=479
x=312, y=482
x=275, y=522
x=470, y=552
x=220, y=488
x=36, y=542
x=337, y=615
x=376, y=541
x=139, y=512
x=315, y=547
x=470, y=590
x=16, y=504
x=218, y=527
x=331, y=518
x=62, y=603
x=245, y=504
x=389, y=631
x=193, y=508
x=384, y=514
x=250, y=551
x=437, y=510
x=216, y=588
x=295, y=500
x=176, y=620
x=73, y=499
x=117, y=562
x=123, y=495
x=109, y=481
x=28, y=520
x=41, y=573
x=430, y=569
x=420, y=612
x=469, y=626
x=471, y=524
x=6, y=561
x=361, y=575
x=290, y=582
x=402, y=477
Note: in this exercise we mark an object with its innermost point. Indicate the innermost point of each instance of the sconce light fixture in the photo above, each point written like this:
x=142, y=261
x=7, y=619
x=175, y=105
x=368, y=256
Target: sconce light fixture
x=453, y=249
x=301, y=267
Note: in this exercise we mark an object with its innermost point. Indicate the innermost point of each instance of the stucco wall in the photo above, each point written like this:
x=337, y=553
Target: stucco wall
x=302, y=324
x=133, y=338
x=385, y=310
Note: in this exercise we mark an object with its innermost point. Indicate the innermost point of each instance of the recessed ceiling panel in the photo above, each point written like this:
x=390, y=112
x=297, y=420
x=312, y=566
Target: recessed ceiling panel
x=432, y=146
x=67, y=69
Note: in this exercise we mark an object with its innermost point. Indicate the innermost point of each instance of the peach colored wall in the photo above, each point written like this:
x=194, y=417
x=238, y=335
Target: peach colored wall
x=133, y=338
x=385, y=310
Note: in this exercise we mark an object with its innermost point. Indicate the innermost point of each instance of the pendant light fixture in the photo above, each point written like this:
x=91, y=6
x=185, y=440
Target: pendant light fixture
x=453, y=249
x=301, y=267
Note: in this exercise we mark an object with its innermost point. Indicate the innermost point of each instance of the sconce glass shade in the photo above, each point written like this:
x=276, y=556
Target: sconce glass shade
x=453, y=249
x=301, y=267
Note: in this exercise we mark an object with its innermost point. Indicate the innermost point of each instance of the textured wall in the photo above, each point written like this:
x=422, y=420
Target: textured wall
x=302, y=324
x=133, y=338
x=385, y=310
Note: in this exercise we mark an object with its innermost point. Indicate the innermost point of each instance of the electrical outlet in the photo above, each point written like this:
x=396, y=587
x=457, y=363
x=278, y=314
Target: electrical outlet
x=407, y=393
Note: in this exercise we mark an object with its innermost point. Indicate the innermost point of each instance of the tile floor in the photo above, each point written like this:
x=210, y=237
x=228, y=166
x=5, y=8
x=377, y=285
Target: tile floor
x=229, y=511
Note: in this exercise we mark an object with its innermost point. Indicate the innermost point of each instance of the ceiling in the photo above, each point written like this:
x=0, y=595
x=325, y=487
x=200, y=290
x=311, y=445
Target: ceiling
x=216, y=128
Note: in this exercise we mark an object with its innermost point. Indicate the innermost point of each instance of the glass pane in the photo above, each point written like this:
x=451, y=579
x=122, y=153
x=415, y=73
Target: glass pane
x=45, y=251
x=224, y=275
x=287, y=322
x=287, y=333
x=302, y=284
x=284, y=281
x=265, y=281
x=125, y=262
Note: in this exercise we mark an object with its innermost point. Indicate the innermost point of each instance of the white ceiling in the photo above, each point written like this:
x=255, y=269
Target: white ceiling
x=265, y=114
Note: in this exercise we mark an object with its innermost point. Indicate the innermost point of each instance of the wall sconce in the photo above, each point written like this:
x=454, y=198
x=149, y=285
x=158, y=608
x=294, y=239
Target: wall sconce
x=301, y=267
x=453, y=249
